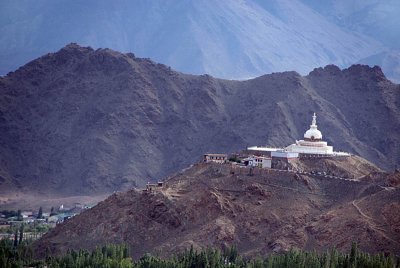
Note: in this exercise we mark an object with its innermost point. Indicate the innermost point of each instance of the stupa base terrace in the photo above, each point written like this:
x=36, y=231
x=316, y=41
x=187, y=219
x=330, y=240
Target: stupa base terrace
x=282, y=152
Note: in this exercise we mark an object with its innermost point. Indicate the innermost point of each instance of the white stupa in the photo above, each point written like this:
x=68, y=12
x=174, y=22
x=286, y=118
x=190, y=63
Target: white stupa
x=312, y=143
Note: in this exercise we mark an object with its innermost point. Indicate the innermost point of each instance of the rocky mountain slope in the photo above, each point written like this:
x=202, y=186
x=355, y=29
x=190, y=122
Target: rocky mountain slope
x=373, y=18
x=233, y=40
x=388, y=60
x=84, y=121
x=220, y=205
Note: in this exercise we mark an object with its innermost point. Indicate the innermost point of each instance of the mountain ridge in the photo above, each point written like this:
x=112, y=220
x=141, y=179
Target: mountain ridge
x=93, y=121
x=234, y=40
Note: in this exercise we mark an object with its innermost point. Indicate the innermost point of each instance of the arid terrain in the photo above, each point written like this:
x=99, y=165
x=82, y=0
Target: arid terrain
x=260, y=211
x=84, y=122
x=17, y=200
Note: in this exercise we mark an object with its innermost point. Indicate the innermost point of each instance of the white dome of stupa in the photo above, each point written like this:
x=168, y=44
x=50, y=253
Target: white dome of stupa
x=313, y=133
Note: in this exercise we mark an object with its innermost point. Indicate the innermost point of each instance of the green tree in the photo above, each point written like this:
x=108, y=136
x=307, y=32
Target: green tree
x=19, y=215
x=40, y=213
x=16, y=238
x=52, y=212
x=21, y=233
x=353, y=255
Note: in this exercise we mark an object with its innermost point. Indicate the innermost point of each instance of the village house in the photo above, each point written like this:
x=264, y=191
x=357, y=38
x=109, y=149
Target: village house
x=217, y=158
x=258, y=161
x=152, y=186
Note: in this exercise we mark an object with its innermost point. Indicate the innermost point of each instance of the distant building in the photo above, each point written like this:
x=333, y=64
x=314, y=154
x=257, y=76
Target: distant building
x=284, y=154
x=311, y=145
x=261, y=151
x=283, y=159
x=26, y=214
x=217, y=158
x=152, y=186
x=258, y=161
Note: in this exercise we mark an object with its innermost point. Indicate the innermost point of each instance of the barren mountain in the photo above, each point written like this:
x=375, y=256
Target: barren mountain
x=231, y=39
x=84, y=121
x=388, y=60
x=220, y=205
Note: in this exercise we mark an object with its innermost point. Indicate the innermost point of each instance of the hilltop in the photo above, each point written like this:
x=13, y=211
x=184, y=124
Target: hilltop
x=85, y=122
x=220, y=205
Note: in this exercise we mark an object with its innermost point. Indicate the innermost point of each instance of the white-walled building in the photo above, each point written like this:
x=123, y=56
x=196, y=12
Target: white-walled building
x=284, y=154
x=312, y=144
x=258, y=161
x=217, y=158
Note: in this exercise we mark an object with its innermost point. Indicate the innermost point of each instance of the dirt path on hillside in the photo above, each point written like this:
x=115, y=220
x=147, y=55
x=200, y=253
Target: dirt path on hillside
x=371, y=222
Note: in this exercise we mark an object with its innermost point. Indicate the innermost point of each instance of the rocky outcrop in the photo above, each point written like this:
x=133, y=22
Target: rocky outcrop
x=266, y=211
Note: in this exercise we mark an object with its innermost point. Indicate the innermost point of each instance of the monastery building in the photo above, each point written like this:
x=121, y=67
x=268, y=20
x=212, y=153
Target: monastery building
x=312, y=144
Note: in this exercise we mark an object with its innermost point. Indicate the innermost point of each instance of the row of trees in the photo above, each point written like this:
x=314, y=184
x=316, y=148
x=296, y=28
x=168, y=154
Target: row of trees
x=35, y=227
x=18, y=213
x=118, y=256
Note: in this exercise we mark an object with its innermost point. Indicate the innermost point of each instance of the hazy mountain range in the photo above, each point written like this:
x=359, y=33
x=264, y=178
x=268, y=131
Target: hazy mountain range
x=84, y=121
x=229, y=39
